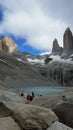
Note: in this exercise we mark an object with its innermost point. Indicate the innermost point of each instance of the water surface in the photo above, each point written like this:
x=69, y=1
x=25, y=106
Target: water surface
x=44, y=90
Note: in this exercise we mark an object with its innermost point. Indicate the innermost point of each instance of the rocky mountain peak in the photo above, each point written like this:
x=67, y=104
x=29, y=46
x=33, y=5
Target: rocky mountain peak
x=67, y=42
x=68, y=29
x=8, y=45
x=67, y=37
x=56, y=50
x=55, y=44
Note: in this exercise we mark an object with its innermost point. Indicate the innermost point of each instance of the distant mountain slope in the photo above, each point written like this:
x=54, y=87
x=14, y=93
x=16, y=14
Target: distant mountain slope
x=19, y=69
x=15, y=73
x=56, y=67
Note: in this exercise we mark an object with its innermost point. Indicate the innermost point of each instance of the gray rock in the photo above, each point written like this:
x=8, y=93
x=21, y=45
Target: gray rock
x=11, y=96
x=31, y=117
x=67, y=43
x=7, y=123
x=65, y=113
x=50, y=101
x=59, y=126
x=56, y=50
x=53, y=101
x=14, y=73
x=59, y=73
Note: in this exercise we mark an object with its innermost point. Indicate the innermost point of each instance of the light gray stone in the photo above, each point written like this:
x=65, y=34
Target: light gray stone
x=59, y=126
x=7, y=123
x=31, y=117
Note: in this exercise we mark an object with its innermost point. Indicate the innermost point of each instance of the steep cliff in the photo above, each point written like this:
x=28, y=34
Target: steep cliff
x=56, y=49
x=67, y=43
x=60, y=74
x=8, y=45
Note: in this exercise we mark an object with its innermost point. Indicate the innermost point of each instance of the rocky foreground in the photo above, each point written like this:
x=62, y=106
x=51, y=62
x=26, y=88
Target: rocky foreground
x=16, y=115
x=53, y=112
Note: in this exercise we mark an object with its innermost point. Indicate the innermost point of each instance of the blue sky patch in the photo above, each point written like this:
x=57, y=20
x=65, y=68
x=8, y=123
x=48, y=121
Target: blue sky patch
x=22, y=44
x=1, y=13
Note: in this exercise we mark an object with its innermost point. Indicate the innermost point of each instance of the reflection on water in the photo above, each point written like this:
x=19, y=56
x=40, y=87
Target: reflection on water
x=44, y=90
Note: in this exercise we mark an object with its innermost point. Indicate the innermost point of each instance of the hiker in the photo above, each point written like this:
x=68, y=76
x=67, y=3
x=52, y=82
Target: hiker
x=32, y=94
x=22, y=94
x=29, y=98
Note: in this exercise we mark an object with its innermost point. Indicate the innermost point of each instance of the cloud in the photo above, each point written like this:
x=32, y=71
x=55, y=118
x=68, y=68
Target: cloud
x=38, y=21
x=45, y=53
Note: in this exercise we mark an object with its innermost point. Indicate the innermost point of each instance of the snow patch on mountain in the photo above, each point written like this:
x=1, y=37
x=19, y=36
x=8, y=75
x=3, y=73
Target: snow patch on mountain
x=55, y=57
x=59, y=59
x=30, y=59
x=36, y=61
x=19, y=59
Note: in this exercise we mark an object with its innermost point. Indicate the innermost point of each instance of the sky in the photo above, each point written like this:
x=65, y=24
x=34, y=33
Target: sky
x=34, y=24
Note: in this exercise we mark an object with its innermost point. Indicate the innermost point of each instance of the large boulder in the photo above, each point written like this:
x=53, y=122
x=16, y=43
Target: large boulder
x=31, y=117
x=7, y=123
x=59, y=126
x=7, y=45
x=65, y=113
x=56, y=50
x=51, y=101
x=9, y=96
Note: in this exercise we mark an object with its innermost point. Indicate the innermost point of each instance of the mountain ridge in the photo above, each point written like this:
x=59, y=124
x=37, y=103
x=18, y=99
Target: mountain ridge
x=25, y=69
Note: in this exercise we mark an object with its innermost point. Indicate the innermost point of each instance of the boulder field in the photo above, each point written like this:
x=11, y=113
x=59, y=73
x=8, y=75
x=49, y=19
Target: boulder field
x=25, y=117
x=42, y=113
x=61, y=104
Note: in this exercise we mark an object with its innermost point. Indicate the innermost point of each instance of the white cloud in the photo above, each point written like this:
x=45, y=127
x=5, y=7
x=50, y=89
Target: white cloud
x=45, y=53
x=29, y=20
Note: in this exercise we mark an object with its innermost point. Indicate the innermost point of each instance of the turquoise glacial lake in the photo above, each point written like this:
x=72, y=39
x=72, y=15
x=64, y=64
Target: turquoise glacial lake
x=44, y=90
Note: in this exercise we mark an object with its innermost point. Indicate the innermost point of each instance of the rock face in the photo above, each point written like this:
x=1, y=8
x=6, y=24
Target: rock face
x=29, y=117
x=8, y=123
x=59, y=126
x=65, y=113
x=67, y=43
x=56, y=50
x=15, y=73
x=7, y=45
x=59, y=73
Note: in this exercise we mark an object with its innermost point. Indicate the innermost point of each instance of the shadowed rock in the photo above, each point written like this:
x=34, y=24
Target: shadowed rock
x=8, y=123
x=67, y=43
x=65, y=113
x=56, y=50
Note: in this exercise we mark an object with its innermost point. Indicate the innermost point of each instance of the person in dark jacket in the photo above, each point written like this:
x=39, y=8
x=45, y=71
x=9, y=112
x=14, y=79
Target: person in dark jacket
x=32, y=94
